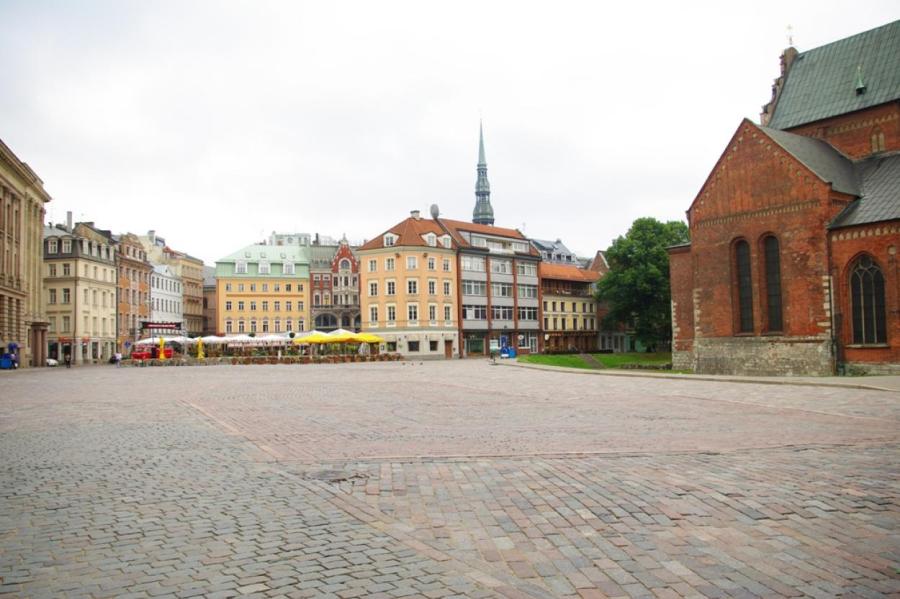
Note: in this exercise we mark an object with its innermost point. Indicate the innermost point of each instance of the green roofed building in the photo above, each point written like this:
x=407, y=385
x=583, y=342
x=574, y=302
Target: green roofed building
x=263, y=289
x=792, y=266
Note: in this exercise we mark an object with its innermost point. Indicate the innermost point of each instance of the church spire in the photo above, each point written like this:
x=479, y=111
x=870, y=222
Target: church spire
x=483, y=213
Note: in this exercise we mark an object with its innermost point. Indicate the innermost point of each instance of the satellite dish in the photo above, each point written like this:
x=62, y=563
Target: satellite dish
x=435, y=211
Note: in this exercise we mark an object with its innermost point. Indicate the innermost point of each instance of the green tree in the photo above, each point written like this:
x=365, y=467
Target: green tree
x=636, y=288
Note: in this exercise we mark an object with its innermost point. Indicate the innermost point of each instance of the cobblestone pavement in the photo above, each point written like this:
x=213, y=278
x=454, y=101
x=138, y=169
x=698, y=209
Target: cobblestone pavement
x=441, y=479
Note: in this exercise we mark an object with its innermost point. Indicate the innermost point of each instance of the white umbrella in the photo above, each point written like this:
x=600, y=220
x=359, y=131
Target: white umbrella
x=148, y=341
x=213, y=340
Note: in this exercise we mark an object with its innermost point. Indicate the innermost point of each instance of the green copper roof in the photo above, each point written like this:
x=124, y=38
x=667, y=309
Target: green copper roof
x=483, y=213
x=481, y=158
x=823, y=82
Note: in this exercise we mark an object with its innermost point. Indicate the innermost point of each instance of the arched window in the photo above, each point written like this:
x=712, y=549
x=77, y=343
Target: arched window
x=774, y=321
x=744, y=286
x=867, y=299
x=345, y=264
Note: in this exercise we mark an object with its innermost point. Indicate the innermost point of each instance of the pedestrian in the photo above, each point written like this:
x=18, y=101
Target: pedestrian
x=118, y=359
x=68, y=359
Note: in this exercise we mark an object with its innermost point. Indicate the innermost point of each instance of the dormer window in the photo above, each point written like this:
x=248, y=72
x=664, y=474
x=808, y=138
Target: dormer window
x=51, y=246
x=445, y=241
x=288, y=268
x=389, y=240
x=431, y=240
x=264, y=268
x=240, y=267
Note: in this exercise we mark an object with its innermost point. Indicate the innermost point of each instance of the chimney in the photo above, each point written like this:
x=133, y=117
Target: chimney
x=415, y=214
x=151, y=235
x=69, y=221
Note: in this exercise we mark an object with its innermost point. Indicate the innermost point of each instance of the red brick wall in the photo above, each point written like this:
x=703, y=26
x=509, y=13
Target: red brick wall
x=852, y=133
x=757, y=189
x=681, y=275
x=881, y=241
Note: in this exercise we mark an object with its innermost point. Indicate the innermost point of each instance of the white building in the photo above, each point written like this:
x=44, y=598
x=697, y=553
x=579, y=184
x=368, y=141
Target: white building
x=166, y=300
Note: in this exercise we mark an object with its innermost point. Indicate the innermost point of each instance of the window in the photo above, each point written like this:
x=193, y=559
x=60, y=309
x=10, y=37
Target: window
x=473, y=263
x=412, y=313
x=252, y=326
x=51, y=246
x=265, y=286
x=277, y=326
x=67, y=269
x=288, y=306
x=240, y=306
x=412, y=286
x=240, y=287
x=431, y=240
x=413, y=346
x=264, y=268
x=52, y=296
x=432, y=264
x=389, y=240
x=287, y=287
x=867, y=298
x=277, y=286
x=389, y=264
x=252, y=306
x=877, y=140
x=472, y=287
x=288, y=325
x=502, y=312
x=301, y=325
x=66, y=246
x=317, y=277
x=432, y=345
x=474, y=312
x=344, y=264
x=744, y=287
x=240, y=326
x=446, y=264
x=773, y=284
x=528, y=314
x=373, y=316
x=228, y=306
x=265, y=326
x=445, y=241
x=252, y=286
x=391, y=288
x=501, y=289
x=288, y=268
x=373, y=289
x=432, y=312
x=240, y=267
x=373, y=265
x=265, y=306
x=526, y=269
x=446, y=287
x=432, y=287
x=66, y=323
x=392, y=314
x=447, y=312
x=66, y=295
x=411, y=263
x=278, y=306
x=502, y=267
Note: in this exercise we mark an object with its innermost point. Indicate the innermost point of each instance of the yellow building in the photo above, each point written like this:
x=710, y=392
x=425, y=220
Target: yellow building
x=23, y=322
x=408, y=287
x=569, y=307
x=263, y=289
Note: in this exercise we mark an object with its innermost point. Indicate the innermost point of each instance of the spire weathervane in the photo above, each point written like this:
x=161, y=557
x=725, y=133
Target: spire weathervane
x=790, y=36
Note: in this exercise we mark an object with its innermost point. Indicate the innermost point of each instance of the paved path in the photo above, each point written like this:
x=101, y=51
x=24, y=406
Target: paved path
x=443, y=479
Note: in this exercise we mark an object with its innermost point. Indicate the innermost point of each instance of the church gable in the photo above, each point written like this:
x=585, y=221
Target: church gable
x=755, y=175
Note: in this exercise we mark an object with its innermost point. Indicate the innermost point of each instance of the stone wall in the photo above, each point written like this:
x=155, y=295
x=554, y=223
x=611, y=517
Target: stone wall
x=763, y=356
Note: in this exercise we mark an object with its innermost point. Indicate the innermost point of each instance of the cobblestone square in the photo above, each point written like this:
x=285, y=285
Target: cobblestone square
x=442, y=479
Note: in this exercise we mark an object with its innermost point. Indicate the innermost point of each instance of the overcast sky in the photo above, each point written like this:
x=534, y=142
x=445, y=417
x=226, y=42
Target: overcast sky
x=215, y=123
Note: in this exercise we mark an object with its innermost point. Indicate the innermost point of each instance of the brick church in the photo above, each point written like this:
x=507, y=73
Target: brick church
x=792, y=265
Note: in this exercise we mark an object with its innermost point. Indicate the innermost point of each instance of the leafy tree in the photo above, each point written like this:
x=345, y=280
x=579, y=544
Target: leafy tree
x=636, y=288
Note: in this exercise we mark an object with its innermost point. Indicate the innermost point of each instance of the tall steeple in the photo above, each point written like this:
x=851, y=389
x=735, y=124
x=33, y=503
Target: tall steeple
x=483, y=213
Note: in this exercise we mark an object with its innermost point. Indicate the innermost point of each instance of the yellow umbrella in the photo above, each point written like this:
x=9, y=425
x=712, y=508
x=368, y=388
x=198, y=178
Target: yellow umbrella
x=162, y=348
x=313, y=338
x=342, y=338
x=368, y=338
x=200, y=354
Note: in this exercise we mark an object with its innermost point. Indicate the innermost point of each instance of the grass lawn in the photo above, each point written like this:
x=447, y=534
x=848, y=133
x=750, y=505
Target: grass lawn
x=567, y=360
x=608, y=360
x=617, y=360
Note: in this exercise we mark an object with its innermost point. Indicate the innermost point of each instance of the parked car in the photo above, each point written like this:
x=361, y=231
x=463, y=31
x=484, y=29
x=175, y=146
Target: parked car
x=52, y=362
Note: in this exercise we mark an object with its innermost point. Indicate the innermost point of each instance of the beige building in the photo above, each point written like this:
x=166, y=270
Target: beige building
x=569, y=307
x=23, y=323
x=408, y=288
x=189, y=270
x=209, y=300
x=80, y=292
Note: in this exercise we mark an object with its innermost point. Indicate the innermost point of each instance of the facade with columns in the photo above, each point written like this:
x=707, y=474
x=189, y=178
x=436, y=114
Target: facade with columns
x=23, y=323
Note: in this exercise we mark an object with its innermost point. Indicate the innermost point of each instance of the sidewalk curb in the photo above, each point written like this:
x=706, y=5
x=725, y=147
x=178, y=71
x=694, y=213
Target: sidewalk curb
x=693, y=377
